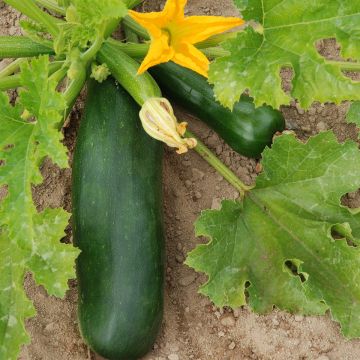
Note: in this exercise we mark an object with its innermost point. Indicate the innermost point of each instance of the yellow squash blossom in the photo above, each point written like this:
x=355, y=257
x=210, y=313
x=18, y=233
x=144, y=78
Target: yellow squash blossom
x=173, y=35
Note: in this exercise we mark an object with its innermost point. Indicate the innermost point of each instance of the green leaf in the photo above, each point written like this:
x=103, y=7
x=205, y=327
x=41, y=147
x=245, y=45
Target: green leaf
x=86, y=21
x=278, y=245
x=353, y=115
x=29, y=240
x=287, y=34
x=35, y=32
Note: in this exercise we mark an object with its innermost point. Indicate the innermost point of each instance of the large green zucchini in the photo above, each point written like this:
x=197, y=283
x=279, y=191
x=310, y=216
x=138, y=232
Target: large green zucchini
x=246, y=129
x=117, y=221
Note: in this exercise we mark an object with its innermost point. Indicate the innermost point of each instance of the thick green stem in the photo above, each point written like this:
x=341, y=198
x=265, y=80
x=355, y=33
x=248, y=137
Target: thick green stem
x=140, y=50
x=137, y=28
x=90, y=53
x=51, y=5
x=10, y=82
x=31, y=10
x=222, y=169
x=73, y=90
x=130, y=36
x=59, y=74
x=14, y=81
x=12, y=68
x=20, y=46
x=132, y=49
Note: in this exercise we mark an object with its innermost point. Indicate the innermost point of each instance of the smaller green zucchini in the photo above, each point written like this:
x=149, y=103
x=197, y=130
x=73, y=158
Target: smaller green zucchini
x=246, y=129
x=124, y=70
x=21, y=46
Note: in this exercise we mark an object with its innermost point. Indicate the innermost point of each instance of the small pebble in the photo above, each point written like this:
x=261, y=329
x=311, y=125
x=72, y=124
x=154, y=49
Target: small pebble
x=237, y=312
x=188, y=183
x=216, y=203
x=299, y=318
x=197, y=174
x=258, y=168
x=50, y=327
x=213, y=140
x=221, y=334
x=232, y=346
x=173, y=357
x=321, y=126
x=198, y=195
x=187, y=280
x=228, y=320
x=300, y=110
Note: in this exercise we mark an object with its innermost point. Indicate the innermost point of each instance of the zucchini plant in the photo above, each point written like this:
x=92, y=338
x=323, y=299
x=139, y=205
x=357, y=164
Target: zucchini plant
x=276, y=243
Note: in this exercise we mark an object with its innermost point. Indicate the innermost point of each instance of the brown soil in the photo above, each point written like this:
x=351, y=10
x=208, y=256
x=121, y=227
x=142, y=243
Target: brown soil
x=193, y=328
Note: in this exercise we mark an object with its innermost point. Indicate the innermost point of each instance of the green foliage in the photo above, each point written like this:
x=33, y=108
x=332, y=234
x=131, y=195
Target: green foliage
x=29, y=240
x=287, y=32
x=353, y=115
x=86, y=22
x=290, y=243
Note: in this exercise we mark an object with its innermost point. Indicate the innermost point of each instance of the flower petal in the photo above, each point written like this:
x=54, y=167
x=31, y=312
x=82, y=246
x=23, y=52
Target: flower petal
x=190, y=57
x=199, y=28
x=159, y=52
x=174, y=9
x=152, y=21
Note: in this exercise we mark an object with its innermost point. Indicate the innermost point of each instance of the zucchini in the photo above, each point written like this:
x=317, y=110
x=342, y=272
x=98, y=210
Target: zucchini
x=117, y=222
x=124, y=69
x=21, y=46
x=246, y=129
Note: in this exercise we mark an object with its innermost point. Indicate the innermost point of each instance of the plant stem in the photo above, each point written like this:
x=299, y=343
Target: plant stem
x=14, y=81
x=73, y=90
x=210, y=158
x=140, y=50
x=90, y=53
x=21, y=46
x=31, y=10
x=12, y=67
x=130, y=36
x=131, y=49
x=10, y=82
x=52, y=6
x=59, y=74
x=135, y=27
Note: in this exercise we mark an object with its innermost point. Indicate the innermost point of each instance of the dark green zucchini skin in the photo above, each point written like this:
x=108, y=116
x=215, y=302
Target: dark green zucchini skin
x=246, y=129
x=117, y=222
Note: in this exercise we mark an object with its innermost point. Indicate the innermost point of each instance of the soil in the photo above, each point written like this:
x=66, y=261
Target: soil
x=193, y=328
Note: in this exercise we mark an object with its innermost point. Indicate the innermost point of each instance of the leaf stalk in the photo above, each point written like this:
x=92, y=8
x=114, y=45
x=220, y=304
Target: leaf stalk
x=51, y=5
x=221, y=168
